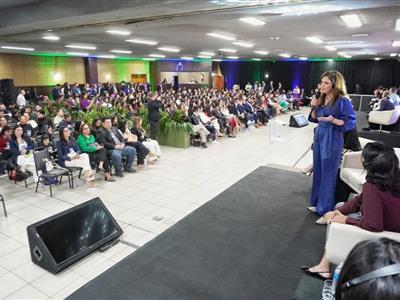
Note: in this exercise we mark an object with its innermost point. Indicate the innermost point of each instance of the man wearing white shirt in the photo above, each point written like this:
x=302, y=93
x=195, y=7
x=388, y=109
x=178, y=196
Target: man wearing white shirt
x=394, y=98
x=21, y=101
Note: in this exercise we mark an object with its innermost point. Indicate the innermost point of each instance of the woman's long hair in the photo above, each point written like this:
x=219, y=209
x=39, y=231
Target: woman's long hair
x=368, y=256
x=382, y=166
x=338, y=86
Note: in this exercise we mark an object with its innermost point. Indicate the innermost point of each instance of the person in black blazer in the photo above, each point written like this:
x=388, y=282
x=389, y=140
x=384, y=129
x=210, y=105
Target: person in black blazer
x=113, y=141
x=153, y=107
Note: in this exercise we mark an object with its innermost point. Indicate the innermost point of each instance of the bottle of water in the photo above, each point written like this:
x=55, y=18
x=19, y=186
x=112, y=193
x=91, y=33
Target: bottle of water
x=336, y=277
x=327, y=290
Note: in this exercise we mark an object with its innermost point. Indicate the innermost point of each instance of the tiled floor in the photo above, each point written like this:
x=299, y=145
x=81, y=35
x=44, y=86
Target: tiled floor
x=144, y=204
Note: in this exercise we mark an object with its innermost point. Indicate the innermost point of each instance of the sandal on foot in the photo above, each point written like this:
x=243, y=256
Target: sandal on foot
x=306, y=269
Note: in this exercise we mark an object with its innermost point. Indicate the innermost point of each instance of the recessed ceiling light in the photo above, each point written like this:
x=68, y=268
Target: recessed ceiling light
x=144, y=42
x=274, y=37
x=252, y=21
x=256, y=59
x=393, y=54
x=157, y=55
x=303, y=58
x=329, y=59
x=78, y=53
x=203, y=56
x=149, y=58
x=206, y=53
x=347, y=56
x=221, y=36
x=344, y=54
x=377, y=58
x=397, y=27
x=228, y=50
x=81, y=47
x=232, y=57
x=51, y=37
x=396, y=44
x=121, y=51
x=330, y=48
x=351, y=20
x=17, y=48
x=360, y=34
x=169, y=49
x=261, y=52
x=286, y=55
x=314, y=39
x=217, y=59
x=187, y=57
x=243, y=44
x=106, y=56
x=119, y=32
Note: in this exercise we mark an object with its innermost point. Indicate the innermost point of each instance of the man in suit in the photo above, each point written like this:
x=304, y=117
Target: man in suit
x=113, y=141
x=199, y=128
x=153, y=107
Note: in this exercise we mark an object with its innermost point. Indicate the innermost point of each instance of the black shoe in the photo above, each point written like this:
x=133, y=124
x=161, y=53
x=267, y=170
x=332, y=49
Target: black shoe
x=130, y=170
x=204, y=145
x=111, y=179
x=366, y=129
x=119, y=174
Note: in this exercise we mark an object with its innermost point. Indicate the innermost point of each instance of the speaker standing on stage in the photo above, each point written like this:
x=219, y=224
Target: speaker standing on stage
x=334, y=113
x=153, y=107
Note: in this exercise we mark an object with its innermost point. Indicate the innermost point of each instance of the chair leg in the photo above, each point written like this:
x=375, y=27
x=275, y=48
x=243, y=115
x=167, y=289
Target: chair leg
x=51, y=191
x=72, y=179
x=4, y=205
x=26, y=185
x=37, y=185
x=61, y=179
x=80, y=173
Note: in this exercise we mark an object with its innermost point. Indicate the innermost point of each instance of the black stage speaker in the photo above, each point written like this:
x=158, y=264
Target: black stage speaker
x=7, y=90
x=176, y=83
x=298, y=120
x=62, y=239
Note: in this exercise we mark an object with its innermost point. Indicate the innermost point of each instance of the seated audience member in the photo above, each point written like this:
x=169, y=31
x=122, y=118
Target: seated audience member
x=43, y=122
x=21, y=148
x=47, y=145
x=152, y=145
x=67, y=122
x=96, y=126
x=113, y=141
x=377, y=208
x=69, y=155
x=5, y=152
x=132, y=140
x=382, y=105
x=365, y=273
x=3, y=123
x=232, y=120
x=29, y=121
x=198, y=127
x=97, y=153
x=29, y=132
x=58, y=118
x=393, y=96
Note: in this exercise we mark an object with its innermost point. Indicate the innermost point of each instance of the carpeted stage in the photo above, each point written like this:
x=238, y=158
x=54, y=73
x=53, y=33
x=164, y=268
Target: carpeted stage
x=246, y=243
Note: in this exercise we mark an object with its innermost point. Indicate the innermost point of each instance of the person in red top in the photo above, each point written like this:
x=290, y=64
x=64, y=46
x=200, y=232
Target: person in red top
x=377, y=208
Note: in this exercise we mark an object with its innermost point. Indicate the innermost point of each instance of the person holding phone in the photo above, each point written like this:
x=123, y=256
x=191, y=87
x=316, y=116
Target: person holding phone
x=334, y=114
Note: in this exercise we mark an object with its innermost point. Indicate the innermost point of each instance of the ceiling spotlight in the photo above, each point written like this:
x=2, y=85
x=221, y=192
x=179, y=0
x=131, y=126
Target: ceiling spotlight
x=121, y=51
x=377, y=58
x=17, y=48
x=206, y=53
x=169, y=49
x=330, y=48
x=256, y=59
x=261, y=52
x=78, y=53
x=274, y=37
x=106, y=56
x=285, y=55
x=396, y=44
x=232, y=57
x=314, y=39
x=157, y=55
x=352, y=20
x=221, y=36
x=51, y=37
x=243, y=44
x=203, y=56
x=252, y=21
x=144, y=42
x=303, y=58
x=397, y=27
x=119, y=32
x=187, y=57
x=228, y=50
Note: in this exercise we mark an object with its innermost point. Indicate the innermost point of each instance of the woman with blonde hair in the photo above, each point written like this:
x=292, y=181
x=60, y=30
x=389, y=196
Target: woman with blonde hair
x=334, y=114
x=152, y=145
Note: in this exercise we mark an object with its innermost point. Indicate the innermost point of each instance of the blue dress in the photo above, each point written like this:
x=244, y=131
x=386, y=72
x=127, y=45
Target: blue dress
x=327, y=152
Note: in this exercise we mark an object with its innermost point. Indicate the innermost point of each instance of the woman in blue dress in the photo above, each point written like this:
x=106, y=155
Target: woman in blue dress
x=334, y=114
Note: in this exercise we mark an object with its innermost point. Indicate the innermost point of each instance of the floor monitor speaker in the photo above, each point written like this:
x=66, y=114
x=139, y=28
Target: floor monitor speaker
x=176, y=83
x=298, y=120
x=61, y=240
x=7, y=90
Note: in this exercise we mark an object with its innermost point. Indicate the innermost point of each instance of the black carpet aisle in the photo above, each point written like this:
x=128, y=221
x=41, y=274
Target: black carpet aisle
x=246, y=243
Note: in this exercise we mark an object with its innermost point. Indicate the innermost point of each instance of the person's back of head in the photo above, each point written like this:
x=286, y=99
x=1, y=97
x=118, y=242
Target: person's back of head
x=371, y=272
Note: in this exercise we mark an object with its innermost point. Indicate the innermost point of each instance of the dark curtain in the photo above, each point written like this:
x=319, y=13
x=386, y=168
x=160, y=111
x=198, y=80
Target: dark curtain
x=368, y=74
